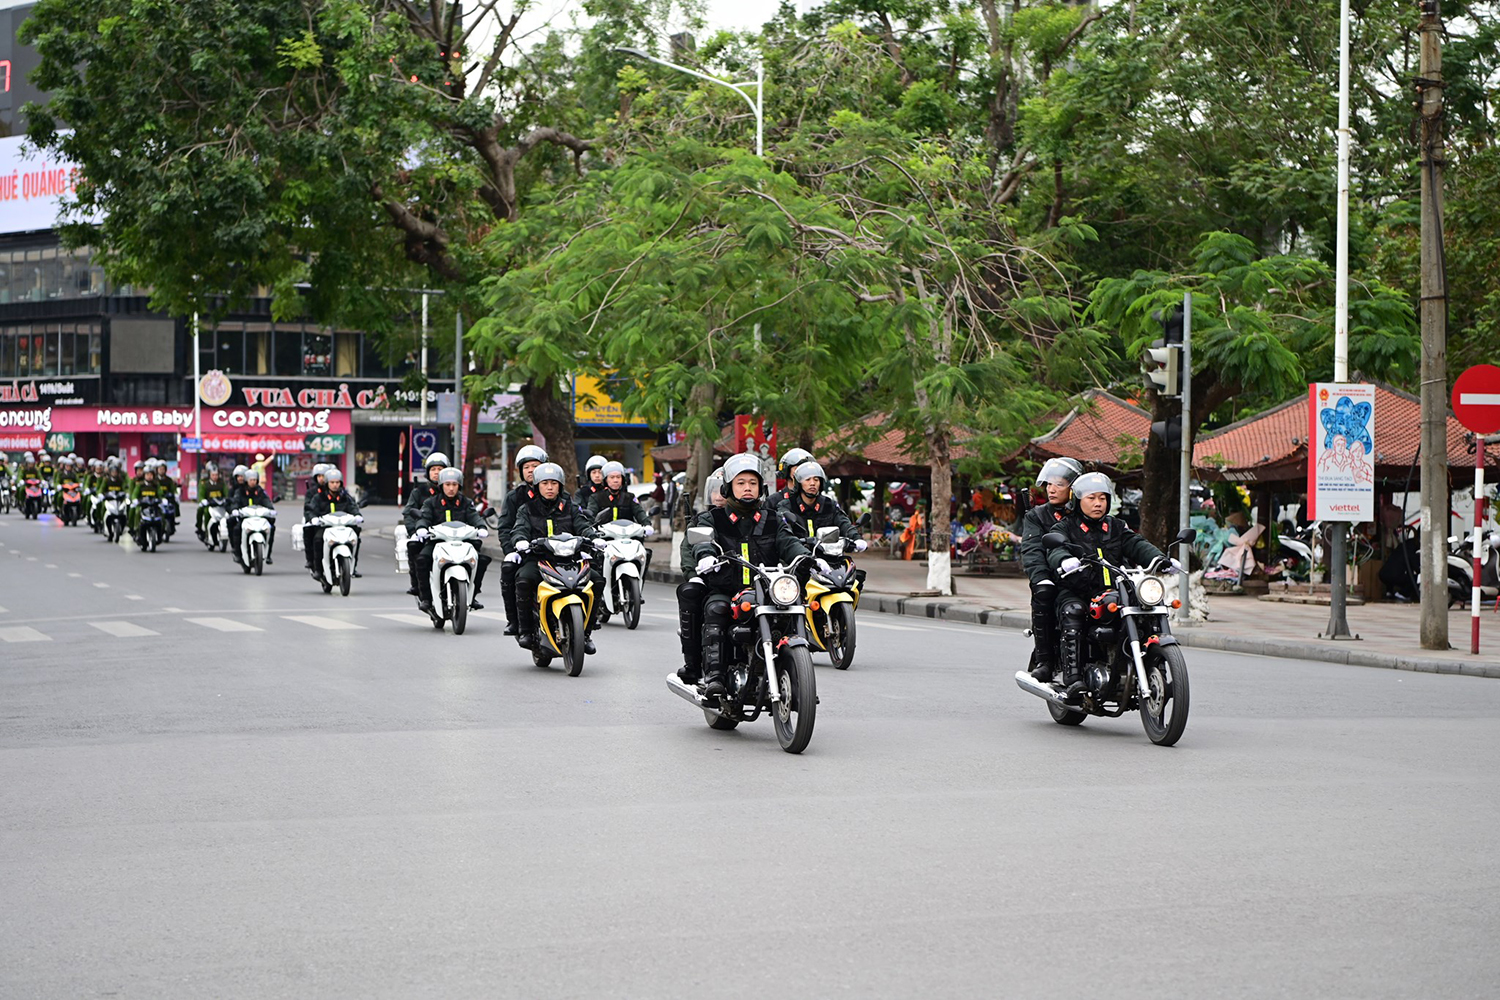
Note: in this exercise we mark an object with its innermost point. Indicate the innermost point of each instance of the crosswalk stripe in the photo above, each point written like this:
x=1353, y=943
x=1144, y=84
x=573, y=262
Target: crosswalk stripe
x=122, y=630
x=23, y=634
x=101, y=585
x=224, y=625
x=408, y=619
x=331, y=624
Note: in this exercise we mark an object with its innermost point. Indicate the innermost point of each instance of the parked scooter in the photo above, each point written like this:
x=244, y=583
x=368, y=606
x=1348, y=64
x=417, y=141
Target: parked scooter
x=455, y=564
x=625, y=560
x=339, y=542
x=1461, y=566
x=255, y=535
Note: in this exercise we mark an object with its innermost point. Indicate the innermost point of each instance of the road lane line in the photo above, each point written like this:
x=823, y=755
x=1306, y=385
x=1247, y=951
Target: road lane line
x=138, y=597
x=76, y=576
x=329, y=624
x=224, y=625
x=51, y=565
x=658, y=614
x=408, y=619
x=101, y=585
x=864, y=622
x=122, y=630
x=4, y=610
x=498, y=616
x=23, y=634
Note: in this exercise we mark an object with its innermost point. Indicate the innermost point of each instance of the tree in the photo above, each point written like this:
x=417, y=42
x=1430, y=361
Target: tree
x=344, y=147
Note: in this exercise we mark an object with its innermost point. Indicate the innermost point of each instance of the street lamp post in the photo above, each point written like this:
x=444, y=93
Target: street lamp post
x=757, y=103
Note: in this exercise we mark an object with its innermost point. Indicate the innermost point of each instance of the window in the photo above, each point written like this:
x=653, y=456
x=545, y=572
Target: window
x=289, y=350
x=229, y=349
x=317, y=354
x=24, y=352
x=66, y=364
x=346, y=355
x=374, y=365
x=258, y=349
x=7, y=354
x=96, y=348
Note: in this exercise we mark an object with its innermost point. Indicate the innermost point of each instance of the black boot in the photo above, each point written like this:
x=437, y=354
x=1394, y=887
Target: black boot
x=508, y=597
x=714, y=684
x=1070, y=649
x=526, y=626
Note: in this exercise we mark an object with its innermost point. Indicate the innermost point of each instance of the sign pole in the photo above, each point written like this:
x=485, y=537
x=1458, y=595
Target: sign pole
x=1185, y=501
x=424, y=359
x=1476, y=404
x=1474, y=596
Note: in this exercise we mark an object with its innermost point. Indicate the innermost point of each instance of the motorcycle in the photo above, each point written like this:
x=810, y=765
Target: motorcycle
x=1461, y=566
x=626, y=559
x=216, y=534
x=169, y=512
x=255, y=534
x=93, y=502
x=33, y=499
x=149, y=530
x=339, y=542
x=565, y=599
x=116, y=506
x=1132, y=660
x=832, y=598
x=5, y=494
x=769, y=661
x=70, y=503
x=454, y=565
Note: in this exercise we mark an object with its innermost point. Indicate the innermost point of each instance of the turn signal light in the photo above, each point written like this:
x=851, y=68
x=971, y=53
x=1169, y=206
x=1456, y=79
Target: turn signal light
x=1113, y=607
x=746, y=606
x=1176, y=603
x=816, y=606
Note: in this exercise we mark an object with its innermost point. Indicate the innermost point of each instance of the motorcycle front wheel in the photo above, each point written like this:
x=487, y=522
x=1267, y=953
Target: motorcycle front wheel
x=1164, y=709
x=258, y=558
x=458, y=598
x=572, y=639
x=841, y=636
x=795, y=714
x=345, y=575
x=631, y=601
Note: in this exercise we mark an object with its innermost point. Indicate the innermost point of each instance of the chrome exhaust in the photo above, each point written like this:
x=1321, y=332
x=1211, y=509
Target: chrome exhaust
x=683, y=691
x=1046, y=692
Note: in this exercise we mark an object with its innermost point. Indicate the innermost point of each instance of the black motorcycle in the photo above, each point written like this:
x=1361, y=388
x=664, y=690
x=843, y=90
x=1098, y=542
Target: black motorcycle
x=769, y=662
x=1131, y=658
x=150, y=531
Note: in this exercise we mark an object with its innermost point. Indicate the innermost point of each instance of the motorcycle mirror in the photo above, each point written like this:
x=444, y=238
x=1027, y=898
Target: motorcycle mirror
x=1053, y=539
x=828, y=534
x=363, y=503
x=1185, y=535
x=700, y=536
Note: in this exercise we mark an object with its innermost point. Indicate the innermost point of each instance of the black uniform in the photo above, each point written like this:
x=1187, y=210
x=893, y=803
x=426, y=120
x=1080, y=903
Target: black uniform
x=539, y=517
x=1038, y=521
x=585, y=496
x=243, y=496
x=620, y=503
x=420, y=493
x=756, y=533
x=440, y=509
x=518, y=495
x=323, y=500
x=691, y=593
x=1108, y=538
x=808, y=516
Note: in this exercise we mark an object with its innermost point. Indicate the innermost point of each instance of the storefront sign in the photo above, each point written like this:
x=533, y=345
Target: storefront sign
x=36, y=420
x=60, y=441
x=58, y=392
x=215, y=388
x=316, y=422
x=1341, y=452
x=423, y=443
x=325, y=444
x=343, y=396
x=592, y=405
x=93, y=419
x=33, y=187
x=247, y=444
x=21, y=442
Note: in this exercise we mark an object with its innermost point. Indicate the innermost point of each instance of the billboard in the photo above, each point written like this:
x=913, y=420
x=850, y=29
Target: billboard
x=32, y=186
x=592, y=405
x=1341, y=452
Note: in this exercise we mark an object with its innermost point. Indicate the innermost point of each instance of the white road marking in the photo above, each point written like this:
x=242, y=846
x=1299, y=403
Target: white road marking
x=330, y=624
x=3, y=610
x=101, y=585
x=31, y=558
x=138, y=597
x=865, y=622
x=498, y=616
x=408, y=619
x=23, y=634
x=76, y=576
x=658, y=614
x=224, y=625
x=122, y=630
x=51, y=565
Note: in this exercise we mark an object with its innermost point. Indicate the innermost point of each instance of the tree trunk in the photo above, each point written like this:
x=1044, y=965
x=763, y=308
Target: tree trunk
x=1160, y=472
x=549, y=412
x=939, y=564
x=704, y=397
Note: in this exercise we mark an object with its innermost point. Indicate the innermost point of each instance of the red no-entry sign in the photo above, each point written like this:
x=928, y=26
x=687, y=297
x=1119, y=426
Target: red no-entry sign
x=1476, y=399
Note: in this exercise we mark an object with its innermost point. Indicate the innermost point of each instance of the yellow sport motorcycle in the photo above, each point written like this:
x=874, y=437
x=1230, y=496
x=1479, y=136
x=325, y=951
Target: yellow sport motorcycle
x=832, y=597
x=565, y=599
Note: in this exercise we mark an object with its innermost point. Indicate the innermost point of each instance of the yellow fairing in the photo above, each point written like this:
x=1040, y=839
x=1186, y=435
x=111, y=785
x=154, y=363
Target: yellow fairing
x=551, y=602
x=826, y=599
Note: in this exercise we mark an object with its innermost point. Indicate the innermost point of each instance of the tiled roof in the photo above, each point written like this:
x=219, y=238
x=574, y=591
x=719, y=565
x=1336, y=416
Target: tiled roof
x=1097, y=430
x=677, y=454
x=1279, y=435
x=837, y=449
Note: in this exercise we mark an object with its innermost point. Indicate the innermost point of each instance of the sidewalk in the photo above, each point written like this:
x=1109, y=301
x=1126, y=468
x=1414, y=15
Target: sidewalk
x=1239, y=624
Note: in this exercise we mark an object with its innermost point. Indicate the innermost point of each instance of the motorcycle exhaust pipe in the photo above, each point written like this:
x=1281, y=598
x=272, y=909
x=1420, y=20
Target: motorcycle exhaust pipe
x=683, y=691
x=1046, y=692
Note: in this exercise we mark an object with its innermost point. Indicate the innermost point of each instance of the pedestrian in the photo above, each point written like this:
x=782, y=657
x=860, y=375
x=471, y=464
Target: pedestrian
x=659, y=499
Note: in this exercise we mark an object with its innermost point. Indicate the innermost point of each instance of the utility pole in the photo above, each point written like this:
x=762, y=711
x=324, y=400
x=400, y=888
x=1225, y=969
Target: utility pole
x=1338, y=556
x=1185, y=476
x=1434, y=316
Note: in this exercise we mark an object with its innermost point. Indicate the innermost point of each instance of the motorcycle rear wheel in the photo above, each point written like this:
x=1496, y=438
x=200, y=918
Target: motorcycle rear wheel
x=725, y=722
x=1065, y=716
x=841, y=636
x=1164, y=709
x=631, y=595
x=572, y=639
x=797, y=711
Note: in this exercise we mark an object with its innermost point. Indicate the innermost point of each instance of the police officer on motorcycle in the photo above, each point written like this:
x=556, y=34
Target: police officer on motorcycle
x=784, y=470
x=746, y=526
x=528, y=460
x=692, y=591
x=549, y=512
x=1090, y=531
x=593, y=480
x=809, y=508
x=245, y=496
x=616, y=498
x=420, y=493
x=329, y=498
x=448, y=504
x=1055, y=480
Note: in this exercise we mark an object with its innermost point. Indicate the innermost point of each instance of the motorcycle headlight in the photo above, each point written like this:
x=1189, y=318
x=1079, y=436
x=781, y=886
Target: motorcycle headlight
x=1151, y=590
x=785, y=590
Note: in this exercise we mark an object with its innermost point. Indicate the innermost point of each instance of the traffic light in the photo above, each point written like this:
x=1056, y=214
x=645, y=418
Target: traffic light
x=1170, y=433
x=1163, y=360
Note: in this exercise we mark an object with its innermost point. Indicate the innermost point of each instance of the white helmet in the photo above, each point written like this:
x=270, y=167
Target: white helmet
x=612, y=468
x=530, y=453
x=809, y=470
x=321, y=469
x=333, y=474
x=1059, y=470
x=240, y=470
x=436, y=458
x=741, y=463
x=252, y=475
x=594, y=462
x=450, y=474
x=1094, y=482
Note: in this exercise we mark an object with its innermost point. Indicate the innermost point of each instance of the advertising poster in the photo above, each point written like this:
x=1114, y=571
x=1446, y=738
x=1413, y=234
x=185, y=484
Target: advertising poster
x=1341, y=452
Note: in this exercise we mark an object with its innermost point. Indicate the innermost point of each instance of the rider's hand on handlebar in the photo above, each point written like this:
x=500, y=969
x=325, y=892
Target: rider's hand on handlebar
x=514, y=558
x=822, y=565
x=422, y=535
x=484, y=533
x=860, y=545
x=1071, y=565
x=707, y=565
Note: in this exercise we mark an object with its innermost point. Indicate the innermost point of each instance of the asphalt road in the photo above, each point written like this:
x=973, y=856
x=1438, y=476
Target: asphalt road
x=221, y=786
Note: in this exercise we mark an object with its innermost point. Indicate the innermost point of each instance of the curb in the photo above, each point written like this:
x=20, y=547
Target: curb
x=940, y=610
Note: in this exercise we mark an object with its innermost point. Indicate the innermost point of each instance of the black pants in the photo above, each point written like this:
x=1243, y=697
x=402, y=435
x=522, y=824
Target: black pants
x=424, y=570
x=312, y=540
x=413, y=557
x=236, y=525
x=528, y=576
x=1044, y=621
x=508, y=571
x=690, y=597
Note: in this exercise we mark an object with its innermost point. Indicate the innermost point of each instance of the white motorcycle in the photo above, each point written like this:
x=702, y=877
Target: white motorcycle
x=625, y=562
x=116, y=511
x=455, y=564
x=255, y=536
x=216, y=534
x=339, y=542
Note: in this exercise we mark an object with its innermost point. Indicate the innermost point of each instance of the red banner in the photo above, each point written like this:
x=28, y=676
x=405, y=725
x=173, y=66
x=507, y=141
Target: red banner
x=755, y=434
x=465, y=416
